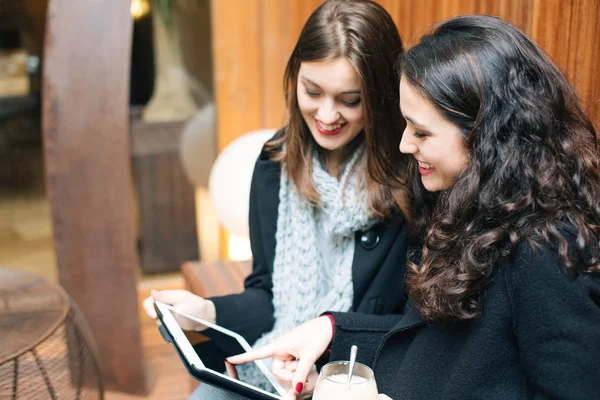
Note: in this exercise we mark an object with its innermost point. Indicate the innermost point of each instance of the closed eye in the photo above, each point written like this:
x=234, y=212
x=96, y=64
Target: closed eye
x=347, y=103
x=351, y=103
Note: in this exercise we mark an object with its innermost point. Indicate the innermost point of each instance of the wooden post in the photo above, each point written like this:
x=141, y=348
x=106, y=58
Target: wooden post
x=251, y=43
x=87, y=156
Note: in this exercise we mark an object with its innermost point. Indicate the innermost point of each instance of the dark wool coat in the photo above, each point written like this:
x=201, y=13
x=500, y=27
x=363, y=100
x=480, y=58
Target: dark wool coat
x=378, y=266
x=538, y=338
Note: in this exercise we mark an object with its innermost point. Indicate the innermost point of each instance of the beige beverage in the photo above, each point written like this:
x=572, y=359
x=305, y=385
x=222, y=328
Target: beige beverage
x=331, y=384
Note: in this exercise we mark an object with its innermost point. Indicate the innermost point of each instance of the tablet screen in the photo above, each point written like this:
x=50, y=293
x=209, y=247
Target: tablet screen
x=223, y=338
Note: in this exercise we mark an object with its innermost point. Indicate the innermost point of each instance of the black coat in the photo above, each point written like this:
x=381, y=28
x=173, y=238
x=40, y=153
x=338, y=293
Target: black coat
x=378, y=266
x=538, y=338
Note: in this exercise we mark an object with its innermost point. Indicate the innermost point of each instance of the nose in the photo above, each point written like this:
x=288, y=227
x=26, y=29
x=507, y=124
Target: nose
x=327, y=113
x=407, y=143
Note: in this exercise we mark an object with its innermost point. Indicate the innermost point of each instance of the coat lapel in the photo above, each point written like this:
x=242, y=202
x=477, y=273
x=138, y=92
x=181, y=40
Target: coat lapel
x=411, y=319
x=267, y=198
x=368, y=261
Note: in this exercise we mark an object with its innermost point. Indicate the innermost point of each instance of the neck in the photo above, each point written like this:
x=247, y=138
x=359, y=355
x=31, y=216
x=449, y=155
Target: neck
x=334, y=162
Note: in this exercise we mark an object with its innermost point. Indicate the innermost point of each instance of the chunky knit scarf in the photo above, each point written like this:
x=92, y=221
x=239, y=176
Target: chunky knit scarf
x=298, y=271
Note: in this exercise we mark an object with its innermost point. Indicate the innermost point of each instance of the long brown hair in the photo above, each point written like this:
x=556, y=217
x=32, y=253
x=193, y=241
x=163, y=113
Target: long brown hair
x=364, y=33
x=534, y=163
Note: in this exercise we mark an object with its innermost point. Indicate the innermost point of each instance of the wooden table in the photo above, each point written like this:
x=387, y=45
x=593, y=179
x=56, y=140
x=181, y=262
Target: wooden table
x=208, y=279
x=218, y=278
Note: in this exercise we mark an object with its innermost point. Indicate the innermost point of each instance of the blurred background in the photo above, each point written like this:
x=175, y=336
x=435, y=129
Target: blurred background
x=170, y=81
x=112, y=116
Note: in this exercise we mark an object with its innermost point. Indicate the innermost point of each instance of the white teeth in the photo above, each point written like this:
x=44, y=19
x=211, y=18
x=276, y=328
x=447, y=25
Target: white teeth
x=425, y=165
x=329, y=127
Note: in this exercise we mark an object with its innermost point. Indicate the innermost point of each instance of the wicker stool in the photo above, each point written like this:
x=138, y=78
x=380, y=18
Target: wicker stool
x=47, y=349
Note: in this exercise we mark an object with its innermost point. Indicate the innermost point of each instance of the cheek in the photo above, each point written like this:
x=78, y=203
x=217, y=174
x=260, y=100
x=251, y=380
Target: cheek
x=355, y=115
x=463, y=161
x=455, y=165
x=305, y=103
x=462, y=155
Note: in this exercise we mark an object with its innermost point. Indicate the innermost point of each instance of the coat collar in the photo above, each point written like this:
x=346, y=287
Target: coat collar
x=269, y=171
x=410, y=319
x=267, y=200
x=368, y=260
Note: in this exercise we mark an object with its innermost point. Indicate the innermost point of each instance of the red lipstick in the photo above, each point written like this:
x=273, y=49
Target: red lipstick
x=329, y=133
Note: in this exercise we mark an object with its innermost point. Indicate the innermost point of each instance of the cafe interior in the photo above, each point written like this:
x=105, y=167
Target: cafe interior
x=125, y=127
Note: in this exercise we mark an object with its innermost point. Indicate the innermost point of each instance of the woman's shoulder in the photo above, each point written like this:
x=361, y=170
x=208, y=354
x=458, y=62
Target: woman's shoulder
x=539, y=262
x=554, y=314
x=564, y=237
x=272, y=146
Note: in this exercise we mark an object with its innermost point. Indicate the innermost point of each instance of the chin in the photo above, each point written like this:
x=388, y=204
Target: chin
x=431, y=186
x=330, y=144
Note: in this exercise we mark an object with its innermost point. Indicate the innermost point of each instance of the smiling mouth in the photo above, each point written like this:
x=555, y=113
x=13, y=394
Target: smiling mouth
x=329, y=130
x=425, y=168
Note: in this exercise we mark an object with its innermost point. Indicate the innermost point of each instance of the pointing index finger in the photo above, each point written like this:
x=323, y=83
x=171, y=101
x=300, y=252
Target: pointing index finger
x=256, y=354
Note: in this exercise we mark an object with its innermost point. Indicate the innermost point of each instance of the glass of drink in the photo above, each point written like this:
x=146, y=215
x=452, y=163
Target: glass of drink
x=332, y=382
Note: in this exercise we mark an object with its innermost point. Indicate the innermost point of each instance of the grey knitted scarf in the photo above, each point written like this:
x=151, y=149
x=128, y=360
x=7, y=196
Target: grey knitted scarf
x=298, y=293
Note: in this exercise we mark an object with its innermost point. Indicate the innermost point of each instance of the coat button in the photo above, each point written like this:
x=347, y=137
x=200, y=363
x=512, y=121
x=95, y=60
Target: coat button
x=369, y=240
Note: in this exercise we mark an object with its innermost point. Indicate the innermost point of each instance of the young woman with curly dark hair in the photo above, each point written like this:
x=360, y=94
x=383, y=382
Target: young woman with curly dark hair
x=525, y=166
x=505, y=290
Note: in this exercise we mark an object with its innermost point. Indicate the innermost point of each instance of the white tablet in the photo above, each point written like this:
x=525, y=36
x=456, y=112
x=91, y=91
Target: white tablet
x=173, y=333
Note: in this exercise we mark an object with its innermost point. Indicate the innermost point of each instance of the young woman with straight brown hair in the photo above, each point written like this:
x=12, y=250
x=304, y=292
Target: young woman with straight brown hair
x=325, y=235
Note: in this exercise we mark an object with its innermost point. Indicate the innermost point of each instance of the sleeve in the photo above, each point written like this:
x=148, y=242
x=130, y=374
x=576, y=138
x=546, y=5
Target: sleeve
x=250, y=313
x=557, y=324
x=365, y=331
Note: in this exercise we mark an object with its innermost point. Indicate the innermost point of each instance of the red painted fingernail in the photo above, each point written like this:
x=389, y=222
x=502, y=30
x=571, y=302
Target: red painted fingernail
x=299, y=387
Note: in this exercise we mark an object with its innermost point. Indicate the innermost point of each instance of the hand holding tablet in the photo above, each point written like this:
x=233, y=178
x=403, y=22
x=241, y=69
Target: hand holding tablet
x=184, y=301
x=173, y=333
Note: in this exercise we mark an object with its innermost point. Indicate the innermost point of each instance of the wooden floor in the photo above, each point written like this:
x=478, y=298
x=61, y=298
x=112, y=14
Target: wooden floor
x=25, y=230
x=171, y=380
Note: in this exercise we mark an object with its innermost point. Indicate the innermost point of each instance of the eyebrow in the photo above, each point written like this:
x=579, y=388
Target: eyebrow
x=344, y=92
x=412, y=121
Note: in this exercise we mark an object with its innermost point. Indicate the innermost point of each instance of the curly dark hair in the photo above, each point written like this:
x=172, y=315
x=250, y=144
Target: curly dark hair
x=533, y=163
